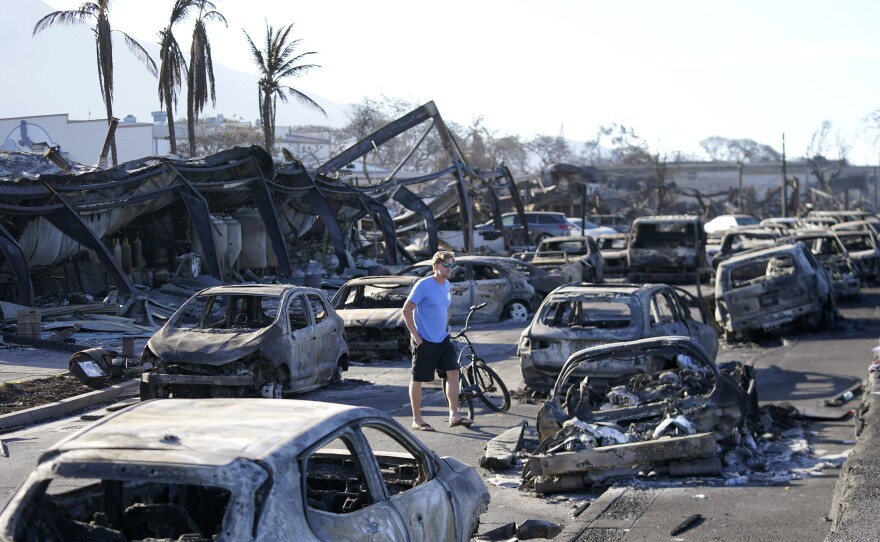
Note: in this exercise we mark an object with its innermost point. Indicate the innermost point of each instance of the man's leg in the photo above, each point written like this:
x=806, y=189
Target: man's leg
x=415, y=398
x=452, y=393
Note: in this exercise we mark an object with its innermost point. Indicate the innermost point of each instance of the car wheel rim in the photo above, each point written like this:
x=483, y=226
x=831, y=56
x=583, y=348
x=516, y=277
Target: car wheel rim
x=517, y=312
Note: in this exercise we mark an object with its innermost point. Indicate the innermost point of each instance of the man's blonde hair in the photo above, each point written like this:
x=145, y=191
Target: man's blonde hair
x=439, y=257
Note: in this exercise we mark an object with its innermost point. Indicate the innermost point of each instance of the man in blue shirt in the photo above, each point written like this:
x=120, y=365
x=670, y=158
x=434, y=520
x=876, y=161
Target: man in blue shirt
x=426, y=313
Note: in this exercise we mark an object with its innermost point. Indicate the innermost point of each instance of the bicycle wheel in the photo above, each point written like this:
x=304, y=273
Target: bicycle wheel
x=465, y=401
x=489, y=386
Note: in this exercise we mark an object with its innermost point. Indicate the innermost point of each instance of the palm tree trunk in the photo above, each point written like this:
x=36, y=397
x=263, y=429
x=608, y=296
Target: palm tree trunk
x=169, y=111
x=268, y=127
x=190, y=114
x=109, y=106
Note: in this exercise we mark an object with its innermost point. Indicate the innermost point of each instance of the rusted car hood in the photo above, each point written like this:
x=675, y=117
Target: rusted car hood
x=378, y=318
x=215, y=348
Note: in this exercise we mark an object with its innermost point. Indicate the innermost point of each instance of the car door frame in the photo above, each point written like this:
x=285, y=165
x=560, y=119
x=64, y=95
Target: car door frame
x=325, y=337
x=487, y=290
x=705, y=331
x=302, y=344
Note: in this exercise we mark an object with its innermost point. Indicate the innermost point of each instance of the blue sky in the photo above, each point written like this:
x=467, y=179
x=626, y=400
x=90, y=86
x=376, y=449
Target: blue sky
x=675, y=71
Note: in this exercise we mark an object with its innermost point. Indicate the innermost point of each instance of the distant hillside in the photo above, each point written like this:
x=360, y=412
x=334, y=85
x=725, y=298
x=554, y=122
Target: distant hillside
x=55, y=72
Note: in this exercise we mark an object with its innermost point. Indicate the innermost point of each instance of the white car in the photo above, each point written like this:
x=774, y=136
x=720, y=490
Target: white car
x=725, y=222
x=589, y=228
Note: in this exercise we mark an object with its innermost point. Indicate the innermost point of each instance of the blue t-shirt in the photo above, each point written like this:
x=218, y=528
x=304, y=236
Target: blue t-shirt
x=432, y=301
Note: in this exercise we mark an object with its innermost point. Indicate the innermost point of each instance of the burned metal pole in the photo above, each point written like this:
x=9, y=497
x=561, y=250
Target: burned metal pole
x=784, y=191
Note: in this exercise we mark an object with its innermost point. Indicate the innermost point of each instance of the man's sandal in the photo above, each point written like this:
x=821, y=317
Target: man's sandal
x=466, y=422
x=422, y=427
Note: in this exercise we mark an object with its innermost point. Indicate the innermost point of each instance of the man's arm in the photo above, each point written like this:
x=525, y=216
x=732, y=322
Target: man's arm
x=408, y=309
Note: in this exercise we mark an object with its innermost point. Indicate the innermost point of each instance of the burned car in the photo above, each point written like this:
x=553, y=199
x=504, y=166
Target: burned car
x=741, y=239
x=766, y=289
x=653, y=404
x=577, y=316
x=864, y=249
x=542, y=281
x=506, y=292
x=371, y=309
x=243, y=341
x=833, y=256
x=666, y=248
x=612, y=246
x=245, y=469
x=576, y=258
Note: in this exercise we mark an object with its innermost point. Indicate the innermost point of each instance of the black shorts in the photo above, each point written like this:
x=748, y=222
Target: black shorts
x=429, y=357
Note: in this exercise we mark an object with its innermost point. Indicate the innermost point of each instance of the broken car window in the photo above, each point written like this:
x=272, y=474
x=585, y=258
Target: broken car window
x=401, y=469
x=373, y=296
x=592, y=313
x=334, y=479
x=319, y=310
x=106, y=509
x=296, y=313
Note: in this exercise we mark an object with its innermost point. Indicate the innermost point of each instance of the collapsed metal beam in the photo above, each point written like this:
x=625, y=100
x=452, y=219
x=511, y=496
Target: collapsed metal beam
x=380, y=136
x=410, y=201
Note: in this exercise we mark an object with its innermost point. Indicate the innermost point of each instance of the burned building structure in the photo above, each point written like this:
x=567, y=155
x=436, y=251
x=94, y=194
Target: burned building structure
x=74, y=229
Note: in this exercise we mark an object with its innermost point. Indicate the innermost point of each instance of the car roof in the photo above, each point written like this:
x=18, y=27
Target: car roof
x=787, y=247
x=584, y=287
x=466, y=258
x=668, y=218
x=565, y=238
x=256, y=289
x=383, y=279
x=270, y=430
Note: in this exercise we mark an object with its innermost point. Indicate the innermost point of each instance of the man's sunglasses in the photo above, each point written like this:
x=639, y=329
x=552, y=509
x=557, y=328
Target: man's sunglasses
x=448, y=265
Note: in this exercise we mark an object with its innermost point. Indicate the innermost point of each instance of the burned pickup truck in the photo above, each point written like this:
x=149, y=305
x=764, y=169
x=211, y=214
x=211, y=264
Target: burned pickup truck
x=767, y=289
x=669, y=248
x=658, y=404
x=576, y=258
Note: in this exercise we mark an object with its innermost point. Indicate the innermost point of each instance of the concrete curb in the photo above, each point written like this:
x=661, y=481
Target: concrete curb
x=855, y=506
x=65, y=406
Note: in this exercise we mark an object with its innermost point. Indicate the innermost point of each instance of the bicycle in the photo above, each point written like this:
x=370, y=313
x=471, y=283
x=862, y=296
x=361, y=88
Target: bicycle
x=476, y=379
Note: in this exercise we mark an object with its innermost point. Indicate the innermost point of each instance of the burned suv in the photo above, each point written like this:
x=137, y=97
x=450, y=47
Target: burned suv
x=666, y=248
x=765, y=289
x=246, y=340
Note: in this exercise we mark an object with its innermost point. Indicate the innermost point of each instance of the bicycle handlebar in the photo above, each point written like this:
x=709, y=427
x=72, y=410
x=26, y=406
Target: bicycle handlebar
x=467, y=321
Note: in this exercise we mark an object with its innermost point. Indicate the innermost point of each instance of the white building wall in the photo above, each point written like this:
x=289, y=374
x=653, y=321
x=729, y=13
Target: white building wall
x=80, y=140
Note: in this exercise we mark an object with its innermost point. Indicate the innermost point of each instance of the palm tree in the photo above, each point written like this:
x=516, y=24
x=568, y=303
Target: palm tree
x=275, y=63
x=200, y=75
x=99, y=13
x=172, y=66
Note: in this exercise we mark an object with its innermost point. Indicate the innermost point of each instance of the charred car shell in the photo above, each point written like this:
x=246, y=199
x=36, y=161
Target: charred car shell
x=634, y=405
x=370, y=308
x=766, y=289
x=666, y=248
x=245, y=469
x=577, y=258
x=475, y=279
x=245, y=341
x=577, y=316
x=833, y=256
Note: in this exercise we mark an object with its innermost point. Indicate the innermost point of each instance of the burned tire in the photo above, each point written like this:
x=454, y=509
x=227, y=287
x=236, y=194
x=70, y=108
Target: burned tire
x=516, y=311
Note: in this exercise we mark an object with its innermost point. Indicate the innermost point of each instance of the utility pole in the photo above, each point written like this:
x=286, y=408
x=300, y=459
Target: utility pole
x=740, y=205
x=784, y=190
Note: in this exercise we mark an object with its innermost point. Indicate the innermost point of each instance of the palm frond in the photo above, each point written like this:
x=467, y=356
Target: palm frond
x=305, y=100
x=140, y=53
x=64, y=18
